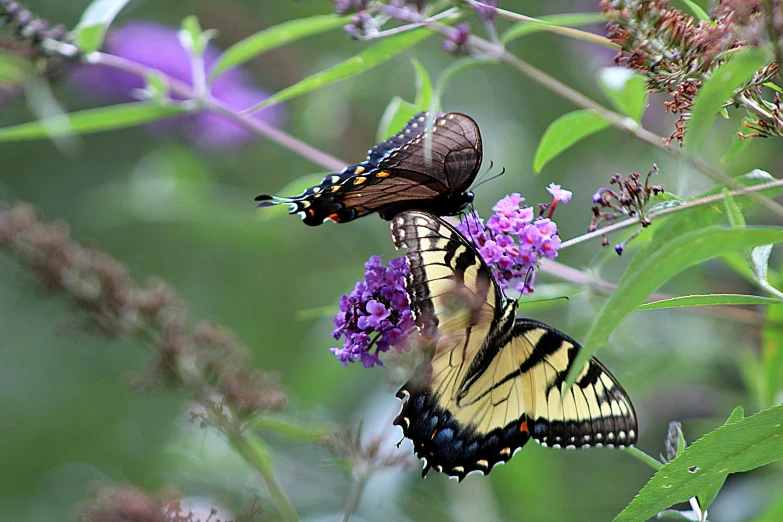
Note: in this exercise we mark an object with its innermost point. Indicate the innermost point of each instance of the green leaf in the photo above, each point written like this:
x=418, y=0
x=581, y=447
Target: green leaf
x=733, y=211
x=274, y=37
x=381, y=52
x=698, y=12
x=399, y=111
x=91, y=120
x=546, y=23
x=95, y=21
x=772, y=356
x=732, y=448
x=626, y=89
x=709, y=300
x=707, y=496
x=564, y=132
x=666, y=228
x=658, y=267
x=772, y=86
x=718, y=90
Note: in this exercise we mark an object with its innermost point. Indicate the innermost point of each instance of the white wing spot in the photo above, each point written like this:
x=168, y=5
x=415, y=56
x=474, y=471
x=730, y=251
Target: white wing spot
x=302, y=215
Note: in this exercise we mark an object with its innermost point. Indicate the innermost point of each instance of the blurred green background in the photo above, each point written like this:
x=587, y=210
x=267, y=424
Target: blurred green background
x=165, y=208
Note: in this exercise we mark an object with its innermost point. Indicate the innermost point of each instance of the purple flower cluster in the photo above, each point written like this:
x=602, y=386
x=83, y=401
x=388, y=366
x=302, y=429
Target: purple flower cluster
x=376, y=315
x=158, y=46
x=512, y=241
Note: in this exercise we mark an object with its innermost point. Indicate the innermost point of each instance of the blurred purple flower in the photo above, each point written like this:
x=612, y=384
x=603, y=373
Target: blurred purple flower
x=376, y=316
x=157, y=46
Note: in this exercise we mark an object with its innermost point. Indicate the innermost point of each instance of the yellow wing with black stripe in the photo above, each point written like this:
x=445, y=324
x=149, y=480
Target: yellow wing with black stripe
x=494, y=380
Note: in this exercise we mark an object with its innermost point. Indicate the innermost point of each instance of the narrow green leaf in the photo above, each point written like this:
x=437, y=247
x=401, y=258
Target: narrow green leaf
x=274, y=37
x=772, y=356
x=95, y=21
x=707, y=496
x=718, y=90
x=365, y=60
x=626, y=89
x=698, y=12
x=91, y=120
x=658, y=267
x=290, y=428
x=546, y=23
x=399, y=111
x=773, y=87
x=565, y=132
x=709, y=300
x=732, y=448
x=666, y=228
x=733, y=211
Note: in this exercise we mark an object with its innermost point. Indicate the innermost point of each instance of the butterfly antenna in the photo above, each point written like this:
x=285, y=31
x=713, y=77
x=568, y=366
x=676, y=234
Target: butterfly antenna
x=481, y=175
x=490, y=179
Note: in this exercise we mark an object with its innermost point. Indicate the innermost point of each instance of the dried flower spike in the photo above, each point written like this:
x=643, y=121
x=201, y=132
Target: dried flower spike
x=628, y=200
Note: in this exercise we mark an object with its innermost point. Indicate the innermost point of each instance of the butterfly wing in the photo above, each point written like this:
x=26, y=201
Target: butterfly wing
x=409, y=170
x=494, y=380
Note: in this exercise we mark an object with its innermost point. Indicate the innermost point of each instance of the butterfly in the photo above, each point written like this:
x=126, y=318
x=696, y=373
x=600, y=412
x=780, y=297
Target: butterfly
x=421, y=167
x=495, y=380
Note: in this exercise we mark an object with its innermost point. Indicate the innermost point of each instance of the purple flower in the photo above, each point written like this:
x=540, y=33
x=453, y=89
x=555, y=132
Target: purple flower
x=376, y=316
x=158, y=46
x=513, y=242
x=558, y=193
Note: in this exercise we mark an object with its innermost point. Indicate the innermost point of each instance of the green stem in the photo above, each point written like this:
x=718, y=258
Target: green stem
x=565, y=31
x=360, y=482
x=257, y=454
x=644, y=457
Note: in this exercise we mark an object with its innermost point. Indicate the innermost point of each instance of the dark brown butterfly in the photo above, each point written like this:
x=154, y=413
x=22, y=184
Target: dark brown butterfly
x=418, y=168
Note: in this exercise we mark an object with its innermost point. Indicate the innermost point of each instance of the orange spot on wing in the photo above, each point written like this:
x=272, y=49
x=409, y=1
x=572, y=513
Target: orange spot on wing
x=334, y=217
x=335, y=188
x=523, y=426
x=311, y=212
x=359, y=180
x=384, y=174
x=434, y=432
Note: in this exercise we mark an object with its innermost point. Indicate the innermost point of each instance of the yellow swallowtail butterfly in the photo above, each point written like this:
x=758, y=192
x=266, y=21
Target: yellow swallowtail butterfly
x=495, y=380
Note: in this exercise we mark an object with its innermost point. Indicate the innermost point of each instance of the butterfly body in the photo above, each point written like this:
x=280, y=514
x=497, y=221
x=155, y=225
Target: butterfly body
x=495, y=380
x=422, y=167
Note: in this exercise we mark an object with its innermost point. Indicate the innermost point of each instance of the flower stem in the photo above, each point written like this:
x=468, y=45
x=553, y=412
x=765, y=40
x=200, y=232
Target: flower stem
x=644, y=457
x=254, y=125
x=360, y=483
x=565, y=31
x=257, y=454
